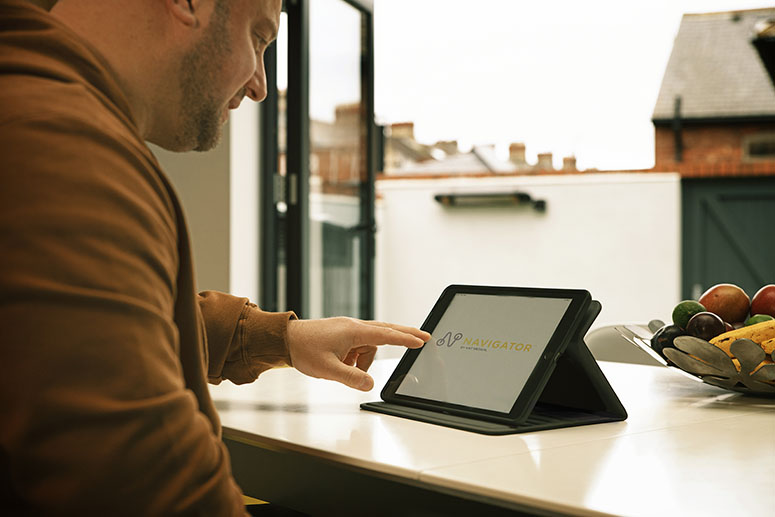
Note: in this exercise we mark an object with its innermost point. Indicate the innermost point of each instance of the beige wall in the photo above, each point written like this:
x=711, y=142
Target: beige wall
x=202, y=182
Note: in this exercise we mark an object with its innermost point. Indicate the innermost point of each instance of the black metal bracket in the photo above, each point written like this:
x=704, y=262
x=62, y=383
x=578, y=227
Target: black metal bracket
x=470, y=199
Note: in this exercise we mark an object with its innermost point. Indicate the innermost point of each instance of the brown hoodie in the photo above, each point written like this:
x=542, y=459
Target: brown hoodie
x=105, y=347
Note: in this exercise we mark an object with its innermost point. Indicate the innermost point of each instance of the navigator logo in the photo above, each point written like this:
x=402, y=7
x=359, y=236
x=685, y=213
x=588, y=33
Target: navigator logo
x=482, y=343
x=448, y=339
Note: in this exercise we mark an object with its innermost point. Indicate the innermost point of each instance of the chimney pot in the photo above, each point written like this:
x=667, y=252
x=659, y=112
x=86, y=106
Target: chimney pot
x=402, y=130
x=517, y=155
x=545, y=162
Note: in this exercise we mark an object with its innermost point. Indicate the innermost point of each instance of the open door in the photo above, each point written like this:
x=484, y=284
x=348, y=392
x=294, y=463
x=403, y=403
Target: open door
x=318, y=189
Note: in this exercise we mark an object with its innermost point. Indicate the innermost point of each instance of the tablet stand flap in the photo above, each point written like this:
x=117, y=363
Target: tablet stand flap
x=577, y=382
x=536, y=421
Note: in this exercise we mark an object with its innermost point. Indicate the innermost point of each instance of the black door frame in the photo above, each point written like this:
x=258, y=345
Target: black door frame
x=268, y=197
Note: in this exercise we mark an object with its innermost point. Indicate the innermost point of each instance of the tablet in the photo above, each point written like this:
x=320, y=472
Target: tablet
x=492, y=352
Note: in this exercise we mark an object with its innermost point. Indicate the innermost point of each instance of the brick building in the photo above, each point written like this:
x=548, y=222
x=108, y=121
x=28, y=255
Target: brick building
x=337, y=149
x=714, y=124
x=715, y=113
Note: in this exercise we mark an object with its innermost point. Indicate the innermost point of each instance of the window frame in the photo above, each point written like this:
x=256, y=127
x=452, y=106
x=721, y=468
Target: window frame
x=749, y=140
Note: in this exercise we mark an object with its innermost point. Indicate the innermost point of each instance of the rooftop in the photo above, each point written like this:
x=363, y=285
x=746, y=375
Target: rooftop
x=716, y=69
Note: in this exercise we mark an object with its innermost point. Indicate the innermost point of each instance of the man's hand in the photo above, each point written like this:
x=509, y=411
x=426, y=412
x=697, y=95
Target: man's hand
x=342, y=349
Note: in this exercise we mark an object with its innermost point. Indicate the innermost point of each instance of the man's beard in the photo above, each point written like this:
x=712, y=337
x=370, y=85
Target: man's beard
x=201, y=111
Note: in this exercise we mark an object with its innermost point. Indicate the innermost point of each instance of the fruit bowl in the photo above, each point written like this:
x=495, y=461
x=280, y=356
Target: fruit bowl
x=708, y=363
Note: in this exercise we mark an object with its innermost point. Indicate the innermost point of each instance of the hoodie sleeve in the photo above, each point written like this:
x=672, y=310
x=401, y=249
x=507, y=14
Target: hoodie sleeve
x=243, y=341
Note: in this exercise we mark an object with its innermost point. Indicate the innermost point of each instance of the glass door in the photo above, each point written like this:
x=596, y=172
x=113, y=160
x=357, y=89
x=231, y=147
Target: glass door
x=318, y=222
x=339, y=117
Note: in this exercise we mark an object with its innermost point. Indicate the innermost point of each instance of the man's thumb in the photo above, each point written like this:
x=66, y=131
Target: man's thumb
x=352, y=377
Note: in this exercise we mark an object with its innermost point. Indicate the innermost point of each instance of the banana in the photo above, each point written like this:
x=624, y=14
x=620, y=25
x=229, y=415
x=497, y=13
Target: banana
x=768, y=346
x=762, y=333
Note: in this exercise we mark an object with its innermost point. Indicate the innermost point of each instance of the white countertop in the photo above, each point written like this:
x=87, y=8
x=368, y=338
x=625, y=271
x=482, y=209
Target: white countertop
x=686, y=448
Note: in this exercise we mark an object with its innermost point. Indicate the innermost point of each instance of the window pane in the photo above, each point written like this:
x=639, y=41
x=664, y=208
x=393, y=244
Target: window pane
x=338, y=158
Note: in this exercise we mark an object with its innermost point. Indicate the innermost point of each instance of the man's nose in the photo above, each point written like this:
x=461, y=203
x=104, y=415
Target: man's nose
x=256, y=87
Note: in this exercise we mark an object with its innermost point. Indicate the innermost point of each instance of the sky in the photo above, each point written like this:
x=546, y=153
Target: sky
x=569, y=77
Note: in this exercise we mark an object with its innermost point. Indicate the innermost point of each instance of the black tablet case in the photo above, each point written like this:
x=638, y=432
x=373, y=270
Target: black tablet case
x=576, y=393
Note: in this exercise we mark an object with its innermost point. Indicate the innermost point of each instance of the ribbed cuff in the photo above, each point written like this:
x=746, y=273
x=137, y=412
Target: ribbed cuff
x=263, y=340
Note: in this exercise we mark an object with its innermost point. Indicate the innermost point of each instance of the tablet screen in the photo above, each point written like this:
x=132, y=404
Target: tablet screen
x=483, y=350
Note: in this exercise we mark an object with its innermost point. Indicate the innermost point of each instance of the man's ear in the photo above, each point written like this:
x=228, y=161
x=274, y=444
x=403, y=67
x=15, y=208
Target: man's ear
x=185, y=11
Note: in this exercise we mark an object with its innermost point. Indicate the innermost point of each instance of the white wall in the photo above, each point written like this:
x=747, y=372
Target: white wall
x=243, y=210
x=616, y=235
x=202, y=183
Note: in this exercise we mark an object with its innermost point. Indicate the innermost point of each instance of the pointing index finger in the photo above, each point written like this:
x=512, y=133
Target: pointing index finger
x=378, y=333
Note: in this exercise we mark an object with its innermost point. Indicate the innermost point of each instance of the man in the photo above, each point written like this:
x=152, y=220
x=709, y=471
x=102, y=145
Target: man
x=105, y=345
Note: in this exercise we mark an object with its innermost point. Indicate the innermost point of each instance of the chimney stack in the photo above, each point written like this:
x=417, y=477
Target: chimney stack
x=348, y=114
x=544, y=162
x=517, y=155
x=569, y=164
x=402, y=130
x=448, y=146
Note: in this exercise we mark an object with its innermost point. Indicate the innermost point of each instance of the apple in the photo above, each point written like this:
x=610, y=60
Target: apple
x=727, y=301
x=763, y=301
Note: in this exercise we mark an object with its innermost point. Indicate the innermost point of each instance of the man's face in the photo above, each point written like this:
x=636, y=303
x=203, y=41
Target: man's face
x=223, y=66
